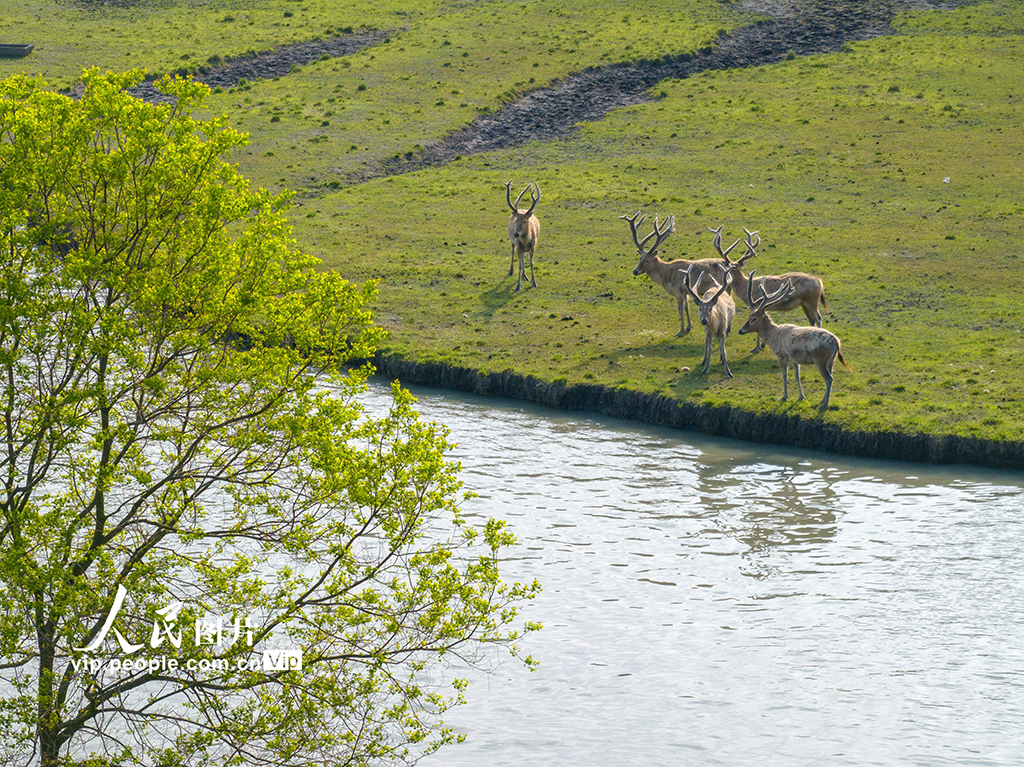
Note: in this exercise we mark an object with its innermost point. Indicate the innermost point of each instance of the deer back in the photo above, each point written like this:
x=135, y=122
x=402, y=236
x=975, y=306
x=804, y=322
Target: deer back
x=807, y=289
x=804, y=345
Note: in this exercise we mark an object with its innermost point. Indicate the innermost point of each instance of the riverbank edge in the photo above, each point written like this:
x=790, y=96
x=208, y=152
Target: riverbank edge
x=721, y=421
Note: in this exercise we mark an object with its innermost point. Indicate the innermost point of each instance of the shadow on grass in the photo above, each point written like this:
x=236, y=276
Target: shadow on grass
x=499, y=296
x=665, y=350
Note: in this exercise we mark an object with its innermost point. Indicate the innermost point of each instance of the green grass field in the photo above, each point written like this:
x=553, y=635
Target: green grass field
x=893, y=170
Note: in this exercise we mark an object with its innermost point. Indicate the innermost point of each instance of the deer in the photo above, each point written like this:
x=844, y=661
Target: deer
x=792, y=344
x=667, y=274
x=808, y=290
x=523, y=231
x=716, y=311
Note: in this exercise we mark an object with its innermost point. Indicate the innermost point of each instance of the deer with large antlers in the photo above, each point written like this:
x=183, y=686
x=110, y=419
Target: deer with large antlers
x=808, y=290
x=668, y=274
x=792, y=344
x=715, y=310
x=523, y=231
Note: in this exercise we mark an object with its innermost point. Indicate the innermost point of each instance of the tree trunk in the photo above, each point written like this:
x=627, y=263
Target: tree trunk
x=48, y=722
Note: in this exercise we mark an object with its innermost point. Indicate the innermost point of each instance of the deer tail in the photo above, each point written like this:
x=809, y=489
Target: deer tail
x=840, y=356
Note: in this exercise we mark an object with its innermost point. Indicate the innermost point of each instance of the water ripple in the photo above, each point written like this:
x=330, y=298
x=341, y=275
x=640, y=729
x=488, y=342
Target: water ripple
x=711, y=602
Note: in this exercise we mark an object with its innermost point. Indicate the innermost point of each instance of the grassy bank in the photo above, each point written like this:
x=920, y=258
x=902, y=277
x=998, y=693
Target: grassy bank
x=894, y=170
x=441, y=66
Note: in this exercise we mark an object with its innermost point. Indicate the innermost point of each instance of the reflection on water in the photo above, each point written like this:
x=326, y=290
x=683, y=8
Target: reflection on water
x=710, y=602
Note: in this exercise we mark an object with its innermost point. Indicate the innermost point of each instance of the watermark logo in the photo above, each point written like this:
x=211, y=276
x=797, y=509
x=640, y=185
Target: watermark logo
x=282, y=660
x=209, y=632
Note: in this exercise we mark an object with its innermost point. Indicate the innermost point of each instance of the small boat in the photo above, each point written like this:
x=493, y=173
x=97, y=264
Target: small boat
x=10, y=51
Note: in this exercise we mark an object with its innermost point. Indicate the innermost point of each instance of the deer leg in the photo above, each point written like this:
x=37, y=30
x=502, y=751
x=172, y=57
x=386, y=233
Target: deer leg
x=522, y=270
x=684, y=312
x=799, y=386
x=813, y=315
x=826, y=372
x=532, y=281
x=512, y=263
x=707, y=354
x=725, y=362
x=785, y=380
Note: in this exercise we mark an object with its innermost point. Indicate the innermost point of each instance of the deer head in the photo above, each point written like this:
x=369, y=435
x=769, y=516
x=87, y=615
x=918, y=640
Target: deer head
x=661, y=232
x=759, y=308
x=705, y=307
x=520, y=217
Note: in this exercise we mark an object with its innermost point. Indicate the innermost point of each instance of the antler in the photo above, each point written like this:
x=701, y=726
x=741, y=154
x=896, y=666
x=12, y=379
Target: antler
x=752, y=241
x=767, y=301
x=662, y=232
x=634, y=222
x=686, y=283
x=717, y=242
x=697, y=299
x=721, y=290
x=515, y=206
x=535, y=199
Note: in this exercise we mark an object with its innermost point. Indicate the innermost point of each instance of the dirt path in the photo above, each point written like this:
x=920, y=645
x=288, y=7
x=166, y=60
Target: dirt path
x=272, y=63
x=801, y=27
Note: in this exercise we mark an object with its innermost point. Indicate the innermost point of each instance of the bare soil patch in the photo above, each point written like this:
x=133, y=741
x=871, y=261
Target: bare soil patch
x=276, y=62
x=797, y=27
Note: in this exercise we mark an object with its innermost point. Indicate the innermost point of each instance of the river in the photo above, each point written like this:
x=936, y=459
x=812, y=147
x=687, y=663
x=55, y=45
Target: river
x=712, y=602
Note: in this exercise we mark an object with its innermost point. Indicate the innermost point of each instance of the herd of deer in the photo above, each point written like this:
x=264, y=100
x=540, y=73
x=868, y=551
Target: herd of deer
x=709, y=283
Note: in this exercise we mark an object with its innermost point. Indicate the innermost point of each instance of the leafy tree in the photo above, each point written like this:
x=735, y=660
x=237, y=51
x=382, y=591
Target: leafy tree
x=188, y=483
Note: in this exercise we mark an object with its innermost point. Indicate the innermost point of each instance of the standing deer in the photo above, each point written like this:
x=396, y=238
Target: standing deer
x=668, y=274
x=790, y=343
x=523, y=230
x=808, y=290
x=715, y=312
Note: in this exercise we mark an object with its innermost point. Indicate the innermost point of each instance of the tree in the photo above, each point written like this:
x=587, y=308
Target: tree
x=193, y=500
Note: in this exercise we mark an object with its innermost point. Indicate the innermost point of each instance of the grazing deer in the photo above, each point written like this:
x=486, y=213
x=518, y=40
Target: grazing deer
x=715, y=312
x=523, y=230
x=792, y=343
x=668, y=274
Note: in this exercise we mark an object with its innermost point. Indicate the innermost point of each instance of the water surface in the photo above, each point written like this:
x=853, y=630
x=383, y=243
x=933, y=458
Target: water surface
x=712, y=602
